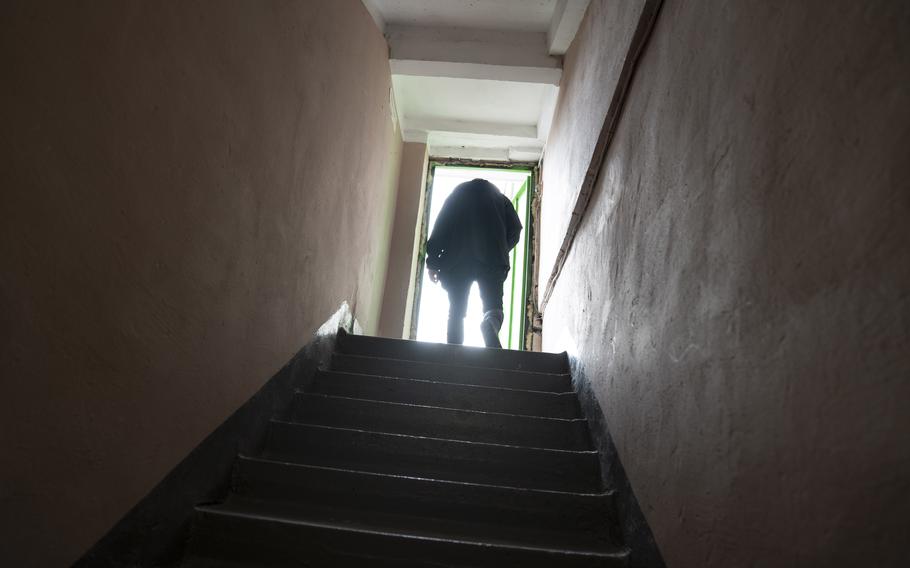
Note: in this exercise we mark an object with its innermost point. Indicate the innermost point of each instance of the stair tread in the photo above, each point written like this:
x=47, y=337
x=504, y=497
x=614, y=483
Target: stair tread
x=481, y=398
x=448, y=371
x=453, y=482
x=401, y=526
x=459, y=460
x=508, y=508
x=435, y=421
x=444, y=408
x=451, y=364
x=431, y=438
x=493, y=389
x=443, y=352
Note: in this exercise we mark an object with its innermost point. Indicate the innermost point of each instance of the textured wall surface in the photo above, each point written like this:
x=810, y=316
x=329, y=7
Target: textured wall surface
x=739, y=292
x=188, y=190
x=398, y=285
x=592, y=68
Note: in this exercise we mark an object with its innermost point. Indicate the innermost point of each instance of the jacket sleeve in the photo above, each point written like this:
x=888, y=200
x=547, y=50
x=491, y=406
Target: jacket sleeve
x=513, y=223
x=438, y=241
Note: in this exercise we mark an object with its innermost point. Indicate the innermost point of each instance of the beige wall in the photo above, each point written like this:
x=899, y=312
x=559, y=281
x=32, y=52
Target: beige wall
x=591, y=72
x=737, y=294
x=399, y=285
x=188, y=190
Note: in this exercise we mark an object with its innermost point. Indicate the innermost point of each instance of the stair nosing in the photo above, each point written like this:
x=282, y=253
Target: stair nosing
x=446, y=383
x=537, y=373
x=524, y=416
x=528, y=490
x=451, y=440
x=225, y=510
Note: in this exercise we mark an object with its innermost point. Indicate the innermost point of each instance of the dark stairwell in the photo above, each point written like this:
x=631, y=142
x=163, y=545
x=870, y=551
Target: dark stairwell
x=417, y=454
x=191, y=188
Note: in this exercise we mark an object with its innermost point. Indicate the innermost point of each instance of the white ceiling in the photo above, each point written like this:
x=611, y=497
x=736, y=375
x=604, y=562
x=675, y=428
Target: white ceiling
x=477, y=78
x=473, y=100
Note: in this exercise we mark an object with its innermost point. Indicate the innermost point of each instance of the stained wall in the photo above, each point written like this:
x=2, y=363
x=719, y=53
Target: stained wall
x=188, y=190
x=737, y=296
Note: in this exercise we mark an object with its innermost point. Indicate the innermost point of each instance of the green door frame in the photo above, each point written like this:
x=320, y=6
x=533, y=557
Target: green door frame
x=524, y=265
x=526, y=218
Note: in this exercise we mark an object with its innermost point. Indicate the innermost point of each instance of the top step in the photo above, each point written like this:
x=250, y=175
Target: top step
x=451, y=354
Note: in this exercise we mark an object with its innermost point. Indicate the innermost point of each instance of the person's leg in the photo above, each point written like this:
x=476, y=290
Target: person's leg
x=457, y=288
x=490, y=284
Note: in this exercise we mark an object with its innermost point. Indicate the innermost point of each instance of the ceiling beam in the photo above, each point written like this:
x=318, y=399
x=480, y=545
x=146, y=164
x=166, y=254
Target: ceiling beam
x=517, y=131
x=567, y=17
x=543, y=75
x=547, y=110
x=512, y=154
x=472, y=54
x=470, y=153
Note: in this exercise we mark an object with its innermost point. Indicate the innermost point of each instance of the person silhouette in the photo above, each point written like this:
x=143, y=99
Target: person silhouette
x=470, y=242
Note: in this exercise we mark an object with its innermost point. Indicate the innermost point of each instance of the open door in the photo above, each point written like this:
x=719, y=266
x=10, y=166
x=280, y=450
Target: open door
x=431, y=302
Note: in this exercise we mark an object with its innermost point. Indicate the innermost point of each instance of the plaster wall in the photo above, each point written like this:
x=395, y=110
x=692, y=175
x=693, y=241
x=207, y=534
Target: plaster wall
x=188, y=190
x=737, y=296
x=399, y=285
x=590, y=74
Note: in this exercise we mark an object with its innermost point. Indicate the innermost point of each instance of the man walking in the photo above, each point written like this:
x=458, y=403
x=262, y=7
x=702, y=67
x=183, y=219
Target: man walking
x=471, y=240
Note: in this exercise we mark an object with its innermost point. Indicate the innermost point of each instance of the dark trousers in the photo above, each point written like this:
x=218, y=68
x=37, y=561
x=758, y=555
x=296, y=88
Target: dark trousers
x=457, y=285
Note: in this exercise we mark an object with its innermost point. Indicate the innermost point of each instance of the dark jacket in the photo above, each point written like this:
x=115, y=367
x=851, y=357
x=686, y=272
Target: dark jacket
x=477, y=226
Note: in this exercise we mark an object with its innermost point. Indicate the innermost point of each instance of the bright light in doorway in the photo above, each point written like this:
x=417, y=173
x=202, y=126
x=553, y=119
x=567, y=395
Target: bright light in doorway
x=434, y=303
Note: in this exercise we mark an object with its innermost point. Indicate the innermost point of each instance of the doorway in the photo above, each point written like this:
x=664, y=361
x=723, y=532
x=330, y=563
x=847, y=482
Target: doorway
x=516, y=182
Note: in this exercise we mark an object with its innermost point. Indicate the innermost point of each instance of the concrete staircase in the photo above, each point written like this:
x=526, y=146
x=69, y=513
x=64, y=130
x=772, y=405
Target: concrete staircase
x=416, y=454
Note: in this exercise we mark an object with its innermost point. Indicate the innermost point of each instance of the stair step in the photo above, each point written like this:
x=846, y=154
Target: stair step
x=438, y=422
x=400, y=454
x=448, y=354
x=561, y=518
x=448, y=395
x=260, y=535
x=451, y=373
x=410, y=454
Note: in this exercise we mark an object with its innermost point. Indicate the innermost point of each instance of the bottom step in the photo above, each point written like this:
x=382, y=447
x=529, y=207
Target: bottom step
x=232, y=538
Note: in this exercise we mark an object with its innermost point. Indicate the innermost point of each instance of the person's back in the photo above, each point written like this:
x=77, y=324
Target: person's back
x=471, y=240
